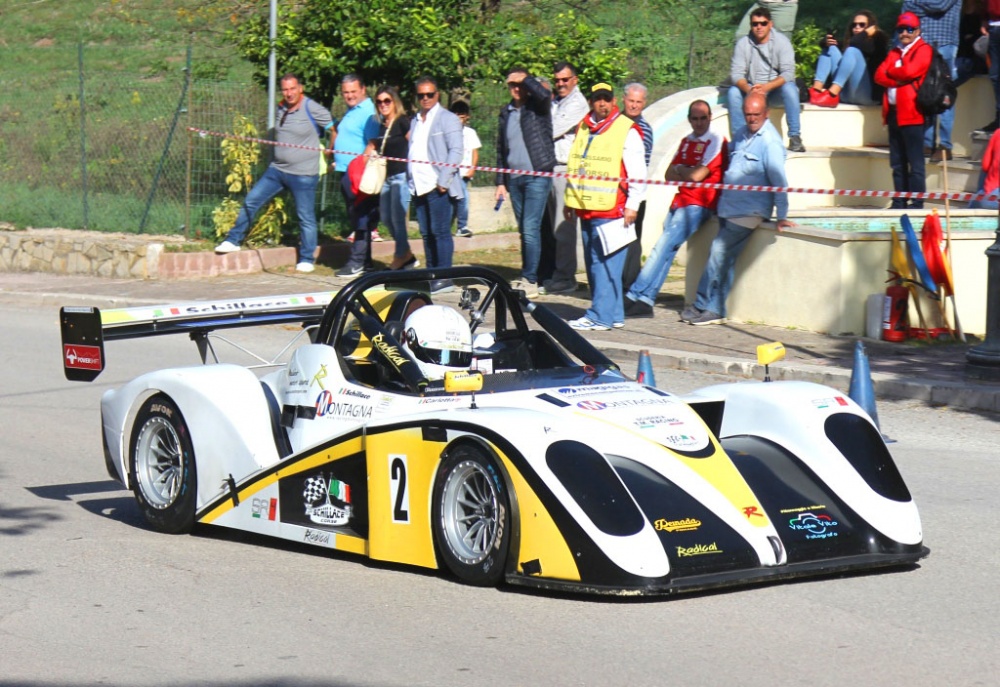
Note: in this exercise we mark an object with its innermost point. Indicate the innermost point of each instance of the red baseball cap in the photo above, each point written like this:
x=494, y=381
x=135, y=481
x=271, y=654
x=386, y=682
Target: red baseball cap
x=908, y=19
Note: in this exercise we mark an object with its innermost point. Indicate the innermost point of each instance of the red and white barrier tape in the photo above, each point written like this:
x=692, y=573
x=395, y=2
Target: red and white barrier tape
x=856, y=193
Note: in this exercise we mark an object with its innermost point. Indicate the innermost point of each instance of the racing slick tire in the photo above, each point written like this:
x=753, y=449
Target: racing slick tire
x=471, y=516
x=162, y=467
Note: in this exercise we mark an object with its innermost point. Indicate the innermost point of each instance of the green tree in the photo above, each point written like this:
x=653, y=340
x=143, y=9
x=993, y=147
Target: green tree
x=462, y=43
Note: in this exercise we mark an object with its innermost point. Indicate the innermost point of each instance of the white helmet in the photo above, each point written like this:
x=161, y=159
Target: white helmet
x=438, y=339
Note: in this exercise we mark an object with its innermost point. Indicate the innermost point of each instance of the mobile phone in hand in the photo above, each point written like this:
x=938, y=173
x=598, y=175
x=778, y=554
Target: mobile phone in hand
x=496, y=208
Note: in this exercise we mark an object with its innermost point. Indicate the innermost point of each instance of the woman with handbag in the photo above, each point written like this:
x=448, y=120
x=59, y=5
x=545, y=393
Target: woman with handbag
x=393, y=141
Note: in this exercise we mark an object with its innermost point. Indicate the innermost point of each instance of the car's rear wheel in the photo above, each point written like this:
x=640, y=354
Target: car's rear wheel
x=162, y=466
x=471, y=514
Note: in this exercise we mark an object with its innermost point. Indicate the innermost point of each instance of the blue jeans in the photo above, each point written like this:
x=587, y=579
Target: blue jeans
x=604, y=272
x=270, y=184
x=528, y=197
x=394, y=206
x=788, y=94
x=848, y=71
x=946, y=118
x=990, y=202
x=720, y=270
x=677, y=228
x=462, y=207
x=434, y=211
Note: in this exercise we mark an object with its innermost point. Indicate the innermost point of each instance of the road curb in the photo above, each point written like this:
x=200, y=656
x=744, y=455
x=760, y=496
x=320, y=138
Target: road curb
x=929, y=391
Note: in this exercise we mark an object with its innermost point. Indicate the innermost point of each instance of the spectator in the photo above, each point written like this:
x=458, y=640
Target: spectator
x=989, y=178
x=569, y=106
x=905, y=65
x=300, y=122
x=356, y=128
x=392, y=140
x=756, y=158
x=701, y=157
x=991, y=28
x=782, y=11
x=362, y=217
x=607, y=144
x=973, y=44
x=851, y=71
x=764, y=62
x=939, y=20
x=524, y=142
x=435, y=136
x=634, y=102
x=470, y=158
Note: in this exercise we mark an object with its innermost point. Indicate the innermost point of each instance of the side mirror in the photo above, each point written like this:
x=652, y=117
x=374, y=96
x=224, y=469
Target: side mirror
x=769, y=353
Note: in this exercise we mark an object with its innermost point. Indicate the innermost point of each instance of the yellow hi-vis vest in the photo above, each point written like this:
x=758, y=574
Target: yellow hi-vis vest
x=601, y=156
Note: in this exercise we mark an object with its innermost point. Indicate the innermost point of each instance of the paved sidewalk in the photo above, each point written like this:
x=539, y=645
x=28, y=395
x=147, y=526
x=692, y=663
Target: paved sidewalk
x=928, y=372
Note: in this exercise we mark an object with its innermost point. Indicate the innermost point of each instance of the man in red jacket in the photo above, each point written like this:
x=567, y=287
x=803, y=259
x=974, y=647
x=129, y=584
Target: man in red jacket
x=901, y=74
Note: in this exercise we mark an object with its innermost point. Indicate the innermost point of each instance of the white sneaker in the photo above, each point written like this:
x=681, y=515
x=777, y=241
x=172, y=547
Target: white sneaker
x=226, y=247
x=305, y=267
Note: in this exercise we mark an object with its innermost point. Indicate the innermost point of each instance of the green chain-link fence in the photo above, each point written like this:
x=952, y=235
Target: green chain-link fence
x=96, y=149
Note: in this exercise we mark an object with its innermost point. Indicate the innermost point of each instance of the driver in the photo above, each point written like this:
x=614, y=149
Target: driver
x=438, y=338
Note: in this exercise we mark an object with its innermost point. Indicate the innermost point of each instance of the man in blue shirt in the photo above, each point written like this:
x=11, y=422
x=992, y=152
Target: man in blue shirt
x=356, y=127
x=757, y=158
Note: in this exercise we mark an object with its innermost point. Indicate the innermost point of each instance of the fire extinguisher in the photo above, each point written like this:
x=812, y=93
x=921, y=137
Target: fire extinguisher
x=895, y=310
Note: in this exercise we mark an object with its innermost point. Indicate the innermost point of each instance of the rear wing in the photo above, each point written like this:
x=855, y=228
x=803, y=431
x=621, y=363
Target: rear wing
x=85, y=329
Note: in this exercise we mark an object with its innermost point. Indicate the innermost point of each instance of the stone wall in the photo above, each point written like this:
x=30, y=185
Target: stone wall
x=80, y=252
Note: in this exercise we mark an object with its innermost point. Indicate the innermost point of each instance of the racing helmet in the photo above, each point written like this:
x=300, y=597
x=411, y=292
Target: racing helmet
x=438, y=338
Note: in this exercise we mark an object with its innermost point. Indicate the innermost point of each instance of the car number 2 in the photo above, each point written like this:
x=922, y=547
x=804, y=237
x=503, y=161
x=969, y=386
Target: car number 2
x=399, y=490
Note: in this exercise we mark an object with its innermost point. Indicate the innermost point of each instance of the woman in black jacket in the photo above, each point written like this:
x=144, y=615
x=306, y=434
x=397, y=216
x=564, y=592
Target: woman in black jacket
x=852, y=70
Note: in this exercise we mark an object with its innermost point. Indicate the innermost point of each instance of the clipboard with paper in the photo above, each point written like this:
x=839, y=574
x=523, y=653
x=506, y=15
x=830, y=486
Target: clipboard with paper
x=615, y=235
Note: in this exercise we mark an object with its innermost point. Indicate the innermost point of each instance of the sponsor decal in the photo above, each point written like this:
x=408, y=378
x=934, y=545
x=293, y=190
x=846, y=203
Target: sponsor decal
x=698, y=549
x=653, y=420
x=592, y=405
x=355, y=393
x=751, y=511
x=82, y=357
x=820, y=403
x=801, y=509
x=391, y=353
x=439, y=399
x=319, y=377
x=235, y=306
x=685, y=525
x=384, y=401
x=681, y=440
x=317, y=537
x=327, y=407
x=599, y=388
x=815, y=525
x=264, y=508
x=327, y=502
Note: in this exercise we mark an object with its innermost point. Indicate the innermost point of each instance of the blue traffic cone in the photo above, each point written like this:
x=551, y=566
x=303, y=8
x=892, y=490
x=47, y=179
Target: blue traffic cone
x=644, y=375
x=861, y=390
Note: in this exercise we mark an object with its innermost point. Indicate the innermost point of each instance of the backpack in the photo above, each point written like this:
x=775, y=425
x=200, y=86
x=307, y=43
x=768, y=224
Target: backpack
x=937, y=93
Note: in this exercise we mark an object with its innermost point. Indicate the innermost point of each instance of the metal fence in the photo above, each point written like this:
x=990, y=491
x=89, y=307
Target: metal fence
x=104, y=150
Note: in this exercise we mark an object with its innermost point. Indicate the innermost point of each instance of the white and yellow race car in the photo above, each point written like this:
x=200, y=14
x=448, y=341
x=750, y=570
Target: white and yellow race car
x=534, y=460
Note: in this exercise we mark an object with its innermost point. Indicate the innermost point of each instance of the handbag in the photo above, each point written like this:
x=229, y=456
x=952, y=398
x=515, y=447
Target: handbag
x=373, y=177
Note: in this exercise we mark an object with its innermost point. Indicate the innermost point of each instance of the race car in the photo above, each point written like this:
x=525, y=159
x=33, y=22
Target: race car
x=477, y=433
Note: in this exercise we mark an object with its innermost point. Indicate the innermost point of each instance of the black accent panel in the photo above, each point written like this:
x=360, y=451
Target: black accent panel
x=281, y=441
x=812, y=521
x=595, y=487
x=553, y=400
x=711, y=413
x=862, y=445
x=439, y=434
x=298, y=508
x=697, y=541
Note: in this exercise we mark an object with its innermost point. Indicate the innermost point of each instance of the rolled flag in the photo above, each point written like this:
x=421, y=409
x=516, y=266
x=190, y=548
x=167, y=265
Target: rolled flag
x=932, y=240
x=916, y=255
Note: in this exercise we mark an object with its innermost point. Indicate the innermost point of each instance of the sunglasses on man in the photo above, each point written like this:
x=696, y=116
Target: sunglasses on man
x=425, y=96
x=759, y=23
x=905, y=29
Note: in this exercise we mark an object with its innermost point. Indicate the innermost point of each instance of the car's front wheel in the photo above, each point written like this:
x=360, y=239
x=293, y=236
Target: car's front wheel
x=471, y=513
x=162, y=467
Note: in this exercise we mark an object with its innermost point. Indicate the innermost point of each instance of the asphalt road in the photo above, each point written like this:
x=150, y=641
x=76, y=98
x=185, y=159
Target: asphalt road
x=88, y=595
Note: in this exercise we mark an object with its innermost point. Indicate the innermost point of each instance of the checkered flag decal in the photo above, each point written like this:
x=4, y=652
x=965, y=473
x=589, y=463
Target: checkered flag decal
x=315, y=489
